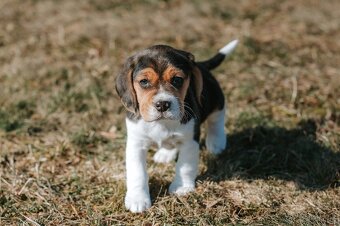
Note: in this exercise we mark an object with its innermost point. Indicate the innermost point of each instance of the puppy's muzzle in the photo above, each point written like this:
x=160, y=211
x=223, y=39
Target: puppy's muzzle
x=162, y=106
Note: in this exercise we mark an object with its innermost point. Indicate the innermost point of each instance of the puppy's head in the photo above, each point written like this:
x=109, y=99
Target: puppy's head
x=154, y=82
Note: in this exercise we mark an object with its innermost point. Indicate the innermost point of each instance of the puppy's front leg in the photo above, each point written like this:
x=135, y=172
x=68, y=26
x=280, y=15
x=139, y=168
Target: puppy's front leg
x=186, y=168
x=137, y=197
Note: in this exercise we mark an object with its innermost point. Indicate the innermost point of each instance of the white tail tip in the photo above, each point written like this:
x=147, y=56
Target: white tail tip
x=227, y=49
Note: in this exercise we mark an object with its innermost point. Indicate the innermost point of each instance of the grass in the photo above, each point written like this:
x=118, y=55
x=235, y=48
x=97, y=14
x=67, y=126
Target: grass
x=62, y=132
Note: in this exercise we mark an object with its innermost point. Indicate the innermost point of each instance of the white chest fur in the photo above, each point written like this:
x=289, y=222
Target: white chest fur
x=164, y=133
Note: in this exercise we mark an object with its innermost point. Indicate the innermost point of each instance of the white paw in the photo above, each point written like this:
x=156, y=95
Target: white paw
x=165, y=155
x=137, y=202
x=180, y=189
x=216, y=144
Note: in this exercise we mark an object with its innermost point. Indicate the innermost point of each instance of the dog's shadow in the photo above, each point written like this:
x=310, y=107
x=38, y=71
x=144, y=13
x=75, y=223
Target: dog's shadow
x=275, y=152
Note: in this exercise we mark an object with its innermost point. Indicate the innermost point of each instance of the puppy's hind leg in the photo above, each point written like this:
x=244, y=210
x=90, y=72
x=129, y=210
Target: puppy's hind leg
x=216, y=140
x=164, y=155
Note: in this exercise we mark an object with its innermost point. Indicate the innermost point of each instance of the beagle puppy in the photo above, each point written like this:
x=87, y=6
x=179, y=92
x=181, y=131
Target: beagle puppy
x=168, y=96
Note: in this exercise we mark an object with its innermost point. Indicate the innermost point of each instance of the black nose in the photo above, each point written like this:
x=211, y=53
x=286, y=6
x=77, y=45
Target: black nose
x=162, y=106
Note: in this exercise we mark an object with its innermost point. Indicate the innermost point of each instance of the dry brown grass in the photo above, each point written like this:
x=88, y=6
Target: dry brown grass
x=58, y=61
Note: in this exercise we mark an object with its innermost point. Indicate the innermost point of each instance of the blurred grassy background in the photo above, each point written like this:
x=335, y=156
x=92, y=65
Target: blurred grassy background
x=58, y=110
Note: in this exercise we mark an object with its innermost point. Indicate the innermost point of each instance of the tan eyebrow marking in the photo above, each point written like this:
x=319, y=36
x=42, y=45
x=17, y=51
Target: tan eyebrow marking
x=171, y=72
x=148, y=73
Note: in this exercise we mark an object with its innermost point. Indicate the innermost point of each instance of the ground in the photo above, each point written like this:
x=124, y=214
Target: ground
x=62, y=132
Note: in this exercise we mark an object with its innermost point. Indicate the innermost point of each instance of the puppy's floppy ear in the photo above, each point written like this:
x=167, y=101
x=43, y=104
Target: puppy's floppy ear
x=198, y=82
x=124, y=86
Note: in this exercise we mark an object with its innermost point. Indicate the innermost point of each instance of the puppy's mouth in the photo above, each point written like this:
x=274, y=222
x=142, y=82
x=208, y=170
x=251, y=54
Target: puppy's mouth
x=164, y=116
x=175, y=113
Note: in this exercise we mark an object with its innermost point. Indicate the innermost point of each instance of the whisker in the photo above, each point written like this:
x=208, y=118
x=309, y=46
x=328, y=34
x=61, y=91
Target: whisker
x=187, y=110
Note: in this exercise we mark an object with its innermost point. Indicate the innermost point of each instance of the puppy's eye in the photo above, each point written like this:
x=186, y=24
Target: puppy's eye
x=177, y=81
x=144, y=83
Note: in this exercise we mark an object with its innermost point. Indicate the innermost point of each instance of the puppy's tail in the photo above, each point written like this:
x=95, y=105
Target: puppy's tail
x=219, y=57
